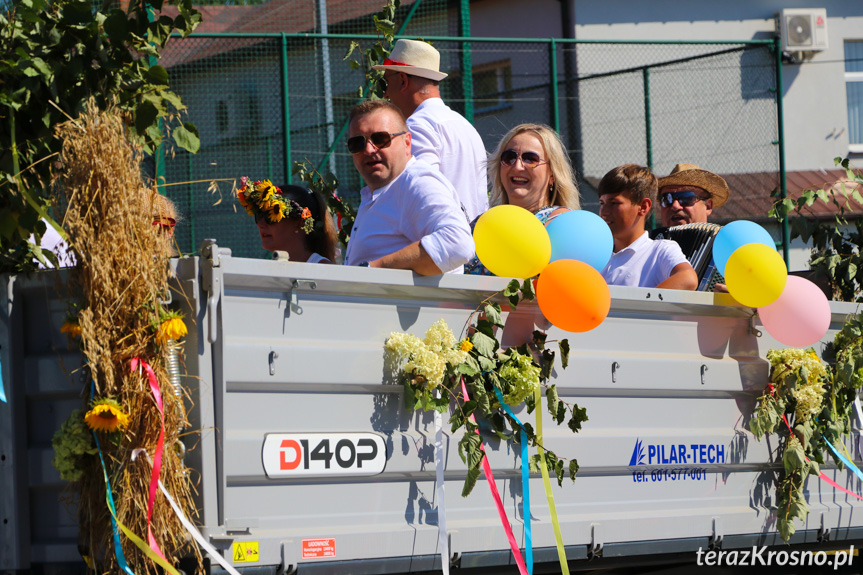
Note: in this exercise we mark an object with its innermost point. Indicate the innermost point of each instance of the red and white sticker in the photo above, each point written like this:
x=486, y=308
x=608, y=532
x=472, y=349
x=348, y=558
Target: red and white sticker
x=319, y=548
x=320, y=454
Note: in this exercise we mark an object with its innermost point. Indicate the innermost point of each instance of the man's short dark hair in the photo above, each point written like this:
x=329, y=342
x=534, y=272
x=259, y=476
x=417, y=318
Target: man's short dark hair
x=369, y=106
x=633, y=181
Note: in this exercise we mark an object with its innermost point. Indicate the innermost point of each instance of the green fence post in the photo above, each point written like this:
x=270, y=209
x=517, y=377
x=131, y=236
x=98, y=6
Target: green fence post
x=270, y=173
x=783, y=184
x=552, y=65
x=286, y=112
x=189, y=178
x=466, y=65
x=648, y=135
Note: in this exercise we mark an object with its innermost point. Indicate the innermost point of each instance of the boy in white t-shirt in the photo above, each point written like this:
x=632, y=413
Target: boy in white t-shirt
x=626, y=196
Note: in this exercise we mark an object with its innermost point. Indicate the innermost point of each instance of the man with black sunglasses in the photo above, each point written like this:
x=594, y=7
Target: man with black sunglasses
x=689, y=194
x=409, y=216
x=440, y=136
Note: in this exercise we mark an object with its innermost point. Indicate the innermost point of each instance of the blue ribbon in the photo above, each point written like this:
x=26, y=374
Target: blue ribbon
x=2, y=393
x=846, y=461
x=525, y=484
x=118, y=547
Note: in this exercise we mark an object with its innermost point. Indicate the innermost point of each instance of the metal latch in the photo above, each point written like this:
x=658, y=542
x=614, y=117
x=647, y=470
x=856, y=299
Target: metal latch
x=295, y=284
x=595, y=549
x=212, y=284
x=715, y=541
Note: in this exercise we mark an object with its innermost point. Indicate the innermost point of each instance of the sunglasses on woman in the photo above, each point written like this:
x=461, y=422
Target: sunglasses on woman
x=379, y=140
x=685, y=199
x=529, y=159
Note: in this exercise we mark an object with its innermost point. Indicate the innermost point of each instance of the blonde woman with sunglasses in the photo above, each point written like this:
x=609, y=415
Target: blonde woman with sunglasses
x=530, y=169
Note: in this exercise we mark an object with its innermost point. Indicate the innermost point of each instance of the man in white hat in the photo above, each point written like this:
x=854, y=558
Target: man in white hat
x=409, y=216
x=440, y=136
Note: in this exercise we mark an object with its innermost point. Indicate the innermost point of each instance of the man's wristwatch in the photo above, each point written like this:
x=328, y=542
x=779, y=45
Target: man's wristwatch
x=363, y=264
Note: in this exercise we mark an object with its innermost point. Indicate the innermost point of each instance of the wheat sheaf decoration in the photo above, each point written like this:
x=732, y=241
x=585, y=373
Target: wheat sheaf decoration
x=119, y=281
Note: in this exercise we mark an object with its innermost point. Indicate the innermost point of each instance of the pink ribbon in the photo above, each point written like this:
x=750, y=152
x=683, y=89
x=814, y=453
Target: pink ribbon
x=157, y=456
x=486, y=469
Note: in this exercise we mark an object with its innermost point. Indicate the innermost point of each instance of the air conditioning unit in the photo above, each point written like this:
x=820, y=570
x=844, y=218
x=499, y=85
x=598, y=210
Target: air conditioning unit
x=803, y=29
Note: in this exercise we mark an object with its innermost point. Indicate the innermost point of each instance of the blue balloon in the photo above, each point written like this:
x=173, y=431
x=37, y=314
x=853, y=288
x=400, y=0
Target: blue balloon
x=736, y=235
x=580, y=235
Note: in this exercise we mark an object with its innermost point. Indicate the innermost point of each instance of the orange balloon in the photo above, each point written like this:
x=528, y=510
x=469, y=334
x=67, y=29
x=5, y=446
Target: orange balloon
x=573, y=295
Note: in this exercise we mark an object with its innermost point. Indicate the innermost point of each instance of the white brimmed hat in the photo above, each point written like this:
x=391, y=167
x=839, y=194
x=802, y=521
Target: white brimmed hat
x=414, y=58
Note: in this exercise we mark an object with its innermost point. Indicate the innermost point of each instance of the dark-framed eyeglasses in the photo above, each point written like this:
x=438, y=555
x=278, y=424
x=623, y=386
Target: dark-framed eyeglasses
x=529, y=159
x=379, y=140
x=685, y=199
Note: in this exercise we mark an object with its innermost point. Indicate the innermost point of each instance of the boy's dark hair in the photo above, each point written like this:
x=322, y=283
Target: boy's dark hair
x=633, y=181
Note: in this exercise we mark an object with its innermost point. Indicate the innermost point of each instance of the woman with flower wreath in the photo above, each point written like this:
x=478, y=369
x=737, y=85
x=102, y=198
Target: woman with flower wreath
x=530, y=169
x=290, y=219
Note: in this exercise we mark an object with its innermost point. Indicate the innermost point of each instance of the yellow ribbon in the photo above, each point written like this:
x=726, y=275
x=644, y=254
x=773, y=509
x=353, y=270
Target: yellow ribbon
x=549, y=495
x=141, y=545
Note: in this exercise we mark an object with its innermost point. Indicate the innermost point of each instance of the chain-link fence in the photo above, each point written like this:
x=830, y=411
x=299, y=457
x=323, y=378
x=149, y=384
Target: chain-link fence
x=262, y=101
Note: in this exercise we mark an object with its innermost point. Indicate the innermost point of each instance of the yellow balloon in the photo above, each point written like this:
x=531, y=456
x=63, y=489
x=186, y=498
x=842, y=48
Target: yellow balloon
x=755, y=275
x=511, y=242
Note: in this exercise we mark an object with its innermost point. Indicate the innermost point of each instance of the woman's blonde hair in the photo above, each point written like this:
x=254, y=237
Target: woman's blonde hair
x=563, y=192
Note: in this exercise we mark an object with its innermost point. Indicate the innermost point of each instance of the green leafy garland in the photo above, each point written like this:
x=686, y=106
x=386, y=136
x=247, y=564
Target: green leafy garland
x=432, y=372
x=816, y=399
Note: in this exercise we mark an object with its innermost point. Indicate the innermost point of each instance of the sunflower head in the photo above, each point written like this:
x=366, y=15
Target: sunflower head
x=171, y=327
x=106, y=415
x=71, y=328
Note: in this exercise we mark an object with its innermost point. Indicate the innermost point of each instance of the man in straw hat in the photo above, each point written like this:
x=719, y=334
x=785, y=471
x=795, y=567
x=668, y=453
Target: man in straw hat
x=688, y=194
x=440, y=136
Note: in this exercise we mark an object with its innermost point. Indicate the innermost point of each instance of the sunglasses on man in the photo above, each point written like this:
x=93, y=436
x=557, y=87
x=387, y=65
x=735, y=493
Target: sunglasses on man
x=685, y=199
x=379, y=140
x=528, y=159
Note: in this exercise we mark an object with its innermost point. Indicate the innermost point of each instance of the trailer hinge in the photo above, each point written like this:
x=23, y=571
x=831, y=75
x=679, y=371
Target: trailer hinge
x=715, y=541
x=284, y=567
x=595, y=549
x=823, y=531
x=212, y=283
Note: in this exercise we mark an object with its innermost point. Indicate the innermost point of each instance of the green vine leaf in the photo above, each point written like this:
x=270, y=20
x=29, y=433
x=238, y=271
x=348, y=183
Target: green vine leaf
x=512, y=293
x=563, y=345
x=492, y=314
x=483, y=344
x=527, y=292
x=579, y=416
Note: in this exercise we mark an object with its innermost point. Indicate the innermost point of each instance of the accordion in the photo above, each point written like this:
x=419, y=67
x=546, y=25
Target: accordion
x=696, y=241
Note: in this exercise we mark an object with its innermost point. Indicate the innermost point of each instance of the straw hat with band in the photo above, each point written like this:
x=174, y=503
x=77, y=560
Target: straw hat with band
x=414, y=58
x=692, y=175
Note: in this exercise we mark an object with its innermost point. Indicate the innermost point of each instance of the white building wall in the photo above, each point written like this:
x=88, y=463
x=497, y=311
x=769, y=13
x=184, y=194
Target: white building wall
x=816, y=123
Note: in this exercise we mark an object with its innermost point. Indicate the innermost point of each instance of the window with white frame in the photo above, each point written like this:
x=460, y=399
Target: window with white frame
x=854, y=91
x=492, y=84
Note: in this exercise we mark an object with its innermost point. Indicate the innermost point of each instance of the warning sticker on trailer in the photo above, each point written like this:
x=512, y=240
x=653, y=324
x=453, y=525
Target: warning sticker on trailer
x=245, y=552
x=319, y=548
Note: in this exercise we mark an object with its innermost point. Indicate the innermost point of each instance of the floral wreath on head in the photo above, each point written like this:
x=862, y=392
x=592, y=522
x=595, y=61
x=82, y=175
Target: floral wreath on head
x=262, y=197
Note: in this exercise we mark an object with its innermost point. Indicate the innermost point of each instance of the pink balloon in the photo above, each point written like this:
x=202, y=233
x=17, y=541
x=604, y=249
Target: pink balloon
x=801, y=315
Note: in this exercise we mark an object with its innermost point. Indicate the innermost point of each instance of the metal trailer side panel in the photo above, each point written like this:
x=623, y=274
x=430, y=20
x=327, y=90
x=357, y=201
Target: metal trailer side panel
x=669, y=371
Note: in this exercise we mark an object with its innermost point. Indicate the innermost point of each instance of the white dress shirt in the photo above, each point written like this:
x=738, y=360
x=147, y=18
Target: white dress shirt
x=419, y=205
x=446, y=140
x=644, y=262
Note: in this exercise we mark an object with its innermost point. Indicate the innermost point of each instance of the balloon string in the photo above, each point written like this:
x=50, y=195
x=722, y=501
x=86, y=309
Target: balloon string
x=549, y=494
x=486, y=469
